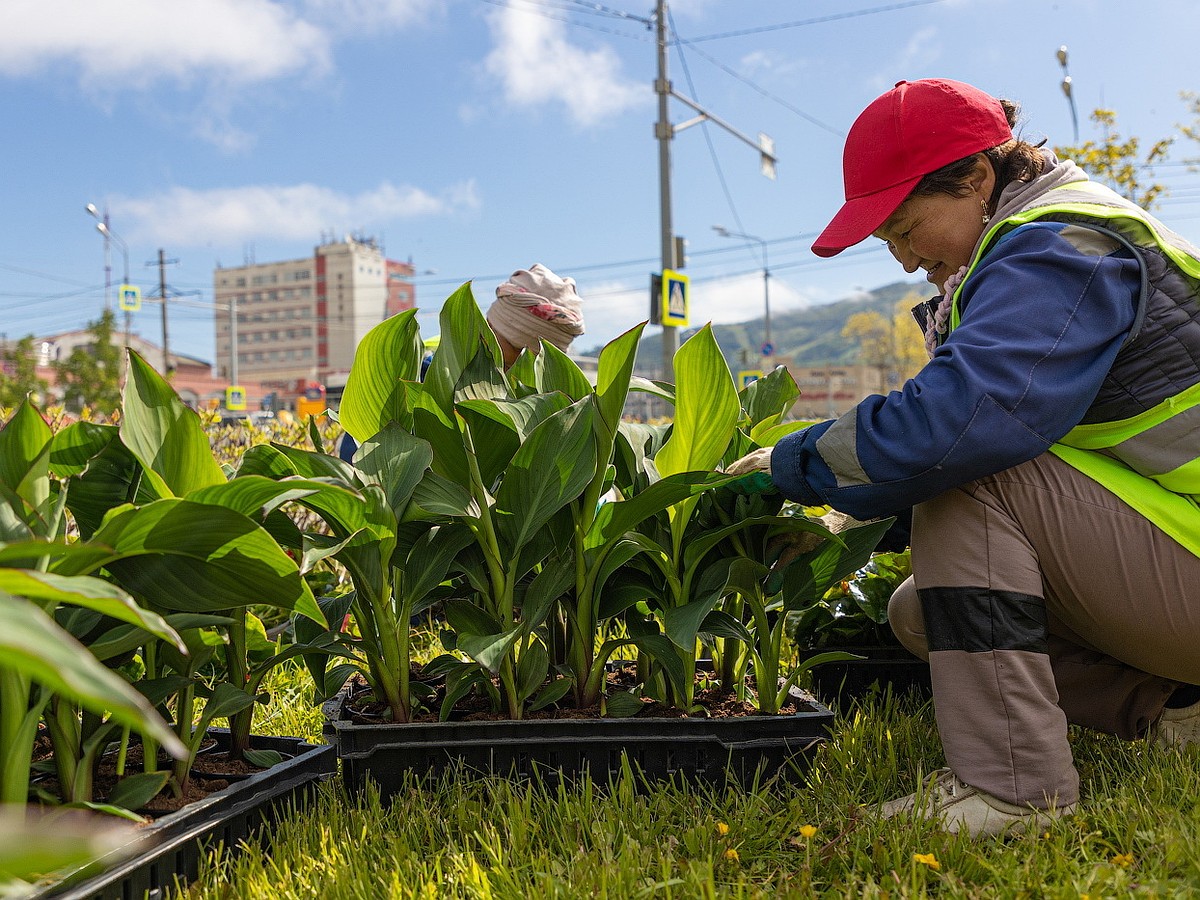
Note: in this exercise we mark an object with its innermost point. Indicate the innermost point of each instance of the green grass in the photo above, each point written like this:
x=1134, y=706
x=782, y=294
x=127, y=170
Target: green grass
x=1138, y=832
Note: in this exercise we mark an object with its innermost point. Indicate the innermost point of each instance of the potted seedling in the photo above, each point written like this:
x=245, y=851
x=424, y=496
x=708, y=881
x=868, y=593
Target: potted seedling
x=544, y=578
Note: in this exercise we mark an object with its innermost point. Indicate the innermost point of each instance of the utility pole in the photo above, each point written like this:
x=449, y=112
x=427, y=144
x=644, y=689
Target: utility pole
x=233, y=340
x=162, y=289
x=664, y=131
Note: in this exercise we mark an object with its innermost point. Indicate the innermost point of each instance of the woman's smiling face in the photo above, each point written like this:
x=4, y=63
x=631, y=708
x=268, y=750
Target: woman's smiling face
x=938, y=232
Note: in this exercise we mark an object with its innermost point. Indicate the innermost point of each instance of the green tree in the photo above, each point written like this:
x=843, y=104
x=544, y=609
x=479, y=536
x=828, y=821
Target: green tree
x=91, y=375
x=1118, y=163
x=18, y=373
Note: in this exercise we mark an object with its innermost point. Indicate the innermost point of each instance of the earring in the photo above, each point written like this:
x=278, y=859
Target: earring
x=986, y=217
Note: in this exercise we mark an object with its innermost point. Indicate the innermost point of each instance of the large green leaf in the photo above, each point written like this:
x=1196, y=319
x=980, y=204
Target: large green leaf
x=197, y=557
x=806, y=579
x=24, y=454
x=481, y=379
x=25, y=470
x=387, y=356
x=773, y=434
x=551, y=469
x=613, y=373
x=103, y=473
x=614, y=519
x=489, y=650
x=438, y=496
x=30, y=643
x=706, y=408
x=256, y=496
x=768, y=399
x=561, y=373
x=430, y=559
x=463, y=330
x=163, y=433
x=397, y=462
x=48, y=590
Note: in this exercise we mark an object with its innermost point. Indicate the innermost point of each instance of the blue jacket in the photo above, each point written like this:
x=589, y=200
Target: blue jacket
x=1042, y=322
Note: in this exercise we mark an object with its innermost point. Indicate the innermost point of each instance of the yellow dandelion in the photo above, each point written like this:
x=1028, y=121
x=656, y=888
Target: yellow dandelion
x=722, y=829
x=807, y=831
x=927, y=859
x=731, y=855
x=1124, y=860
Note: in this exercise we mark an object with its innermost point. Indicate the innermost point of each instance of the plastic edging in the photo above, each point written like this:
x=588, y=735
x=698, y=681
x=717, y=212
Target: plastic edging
x=168, y=851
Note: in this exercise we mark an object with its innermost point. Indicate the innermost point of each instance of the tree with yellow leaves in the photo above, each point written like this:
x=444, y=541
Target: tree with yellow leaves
x=893, y=345
x=1118, y=163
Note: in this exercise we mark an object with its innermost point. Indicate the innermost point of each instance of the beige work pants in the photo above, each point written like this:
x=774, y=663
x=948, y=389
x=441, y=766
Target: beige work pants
x=1118, y=603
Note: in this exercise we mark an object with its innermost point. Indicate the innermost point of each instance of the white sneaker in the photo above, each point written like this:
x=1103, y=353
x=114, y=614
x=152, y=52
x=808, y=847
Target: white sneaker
x=962, y=807
x=1178, y=727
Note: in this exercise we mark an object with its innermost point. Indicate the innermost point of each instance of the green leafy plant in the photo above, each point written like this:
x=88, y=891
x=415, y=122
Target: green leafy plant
x=182, y=554
x=43, y=670
x=852, y=612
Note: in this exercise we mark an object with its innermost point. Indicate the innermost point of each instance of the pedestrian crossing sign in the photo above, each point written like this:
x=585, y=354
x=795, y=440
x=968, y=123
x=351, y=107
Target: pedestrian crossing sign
x=235, y=397
x=675, y=298
x=130, y=297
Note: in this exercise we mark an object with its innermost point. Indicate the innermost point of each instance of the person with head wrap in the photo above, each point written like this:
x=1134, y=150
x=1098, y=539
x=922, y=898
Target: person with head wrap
x=535, y=305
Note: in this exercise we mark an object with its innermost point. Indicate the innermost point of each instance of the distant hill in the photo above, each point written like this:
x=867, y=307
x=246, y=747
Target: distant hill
x=809, y=336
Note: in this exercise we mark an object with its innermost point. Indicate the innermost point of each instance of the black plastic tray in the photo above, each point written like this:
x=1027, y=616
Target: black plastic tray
x=716, y=751
x=842, y=683
x=168, y=851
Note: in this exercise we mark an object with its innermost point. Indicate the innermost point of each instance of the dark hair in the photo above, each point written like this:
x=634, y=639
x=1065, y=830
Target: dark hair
x=1014, y=160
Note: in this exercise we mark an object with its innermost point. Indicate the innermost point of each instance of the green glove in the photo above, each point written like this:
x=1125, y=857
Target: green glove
x=755, y=469
x=759, y=482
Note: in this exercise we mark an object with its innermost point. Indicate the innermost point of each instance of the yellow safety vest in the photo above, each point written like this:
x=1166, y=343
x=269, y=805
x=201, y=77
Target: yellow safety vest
x=1151, y=460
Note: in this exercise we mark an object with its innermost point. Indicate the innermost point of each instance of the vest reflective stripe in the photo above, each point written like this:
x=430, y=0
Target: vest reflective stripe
x=1151, y=460
x=1162, y=443
x=1175, y=514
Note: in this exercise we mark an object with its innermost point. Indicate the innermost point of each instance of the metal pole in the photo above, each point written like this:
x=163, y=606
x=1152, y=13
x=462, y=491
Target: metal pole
x=162, y=287
x=663, y=131
x=770, y=357
x=1068, y=89
x=233, y=340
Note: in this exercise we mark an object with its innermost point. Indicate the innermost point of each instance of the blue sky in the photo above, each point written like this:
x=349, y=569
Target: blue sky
x=479, y=136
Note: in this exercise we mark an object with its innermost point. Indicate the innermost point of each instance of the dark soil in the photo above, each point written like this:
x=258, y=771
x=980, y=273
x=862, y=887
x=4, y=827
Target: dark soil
x=715, y=701
x=209, y=774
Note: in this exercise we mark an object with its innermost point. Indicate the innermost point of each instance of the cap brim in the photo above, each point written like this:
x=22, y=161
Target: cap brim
x=858, y=218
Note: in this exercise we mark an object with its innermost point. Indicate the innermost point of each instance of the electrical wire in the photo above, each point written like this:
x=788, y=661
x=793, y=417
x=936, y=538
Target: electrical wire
x=833, y=17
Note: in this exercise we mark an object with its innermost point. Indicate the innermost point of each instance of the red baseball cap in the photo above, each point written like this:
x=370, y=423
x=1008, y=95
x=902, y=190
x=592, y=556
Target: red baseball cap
x=914, y=129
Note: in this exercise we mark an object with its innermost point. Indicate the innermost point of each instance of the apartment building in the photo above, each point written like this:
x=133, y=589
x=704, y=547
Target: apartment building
x=300, y=320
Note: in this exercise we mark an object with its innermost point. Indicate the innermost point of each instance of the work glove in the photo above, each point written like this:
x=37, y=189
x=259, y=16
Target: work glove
x=755, y=469
x=782, y=551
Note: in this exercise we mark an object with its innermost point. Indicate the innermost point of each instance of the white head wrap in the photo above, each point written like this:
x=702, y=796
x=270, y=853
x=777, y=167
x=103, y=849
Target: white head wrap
x=535, y=304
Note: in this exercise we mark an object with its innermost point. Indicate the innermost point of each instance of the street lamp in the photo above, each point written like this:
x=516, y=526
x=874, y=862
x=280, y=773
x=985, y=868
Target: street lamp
x=105, y=229
x=1067, y=89
x=102, y=227
x=768, y=348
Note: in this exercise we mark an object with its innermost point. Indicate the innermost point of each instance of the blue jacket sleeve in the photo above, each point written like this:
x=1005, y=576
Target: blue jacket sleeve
x=1041, y=326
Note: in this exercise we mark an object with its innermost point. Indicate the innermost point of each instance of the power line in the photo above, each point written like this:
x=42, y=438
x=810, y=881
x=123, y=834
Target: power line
x=540, y=10
x=761, y=90
x=817, y=21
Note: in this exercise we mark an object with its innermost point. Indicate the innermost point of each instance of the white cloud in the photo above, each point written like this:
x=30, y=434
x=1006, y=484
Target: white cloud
x=356, y=15
x=536, y=64
x=135, y=43
x=186, y=217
